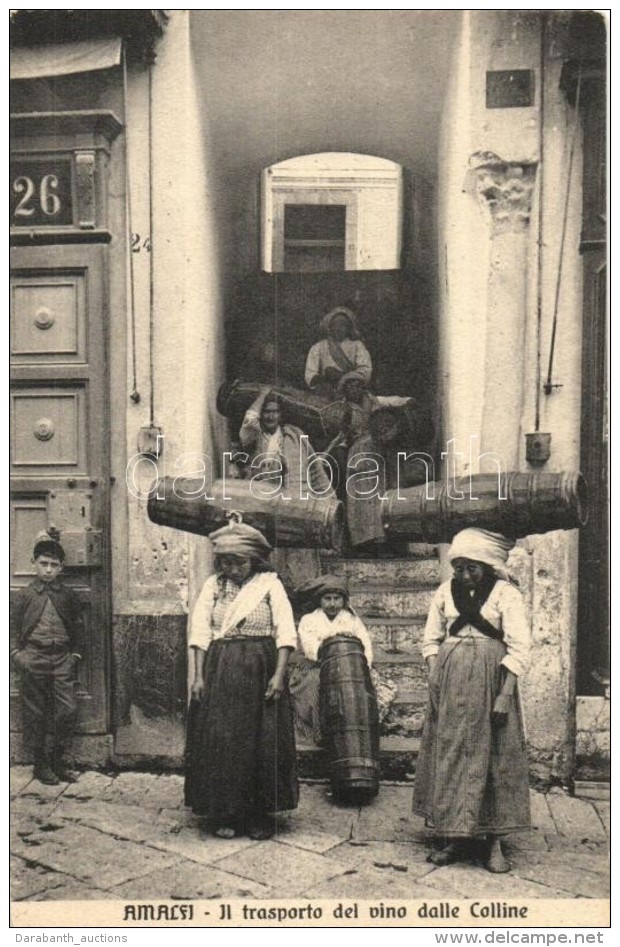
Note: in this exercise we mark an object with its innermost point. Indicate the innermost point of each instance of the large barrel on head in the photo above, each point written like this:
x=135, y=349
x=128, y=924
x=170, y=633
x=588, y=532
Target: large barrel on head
x=189, y=504
x=515, y=504
x=317, y=417
x=349, y=720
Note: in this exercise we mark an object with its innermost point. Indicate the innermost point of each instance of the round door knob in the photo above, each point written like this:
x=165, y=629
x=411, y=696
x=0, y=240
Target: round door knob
x=44, y=318
x=44, y=429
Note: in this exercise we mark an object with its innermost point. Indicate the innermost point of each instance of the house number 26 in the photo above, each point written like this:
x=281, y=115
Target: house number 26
x=43, y=199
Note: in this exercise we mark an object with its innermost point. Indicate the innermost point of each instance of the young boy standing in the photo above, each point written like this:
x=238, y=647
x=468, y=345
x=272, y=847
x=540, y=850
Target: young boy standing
x=47, y=644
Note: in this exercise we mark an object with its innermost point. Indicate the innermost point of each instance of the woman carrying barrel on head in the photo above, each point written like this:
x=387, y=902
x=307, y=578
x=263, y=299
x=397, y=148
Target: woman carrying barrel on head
x=240, y=754
x=472, y=772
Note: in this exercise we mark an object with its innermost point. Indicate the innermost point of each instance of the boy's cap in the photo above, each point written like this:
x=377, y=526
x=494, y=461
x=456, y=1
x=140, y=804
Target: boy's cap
x=45, y=545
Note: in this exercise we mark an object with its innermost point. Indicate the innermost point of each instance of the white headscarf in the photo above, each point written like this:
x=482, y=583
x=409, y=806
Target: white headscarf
x=480, y=545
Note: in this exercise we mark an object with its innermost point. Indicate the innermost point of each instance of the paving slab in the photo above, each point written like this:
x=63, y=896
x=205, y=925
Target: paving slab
x=189, y=881
x=575, y=817
x=310, y=841
x=28, y=813
x=318, y=813
x=177, y=819
x=72, y=890
x=89, y=785
x=541, y=815
x=370, y=884
x=533, y=841
x=603, y=810
x=290, y=871
x=93, y=857
x=166, y=792
x=129, y=789
x=389, y=818
x=557, y=872
x=194, y=844
x=28, y=879
x=121, y=821
x=465, y=880
x=588, y=789
x=37, y=790
x=389, y=857
x=576, y=846
x=19, y=778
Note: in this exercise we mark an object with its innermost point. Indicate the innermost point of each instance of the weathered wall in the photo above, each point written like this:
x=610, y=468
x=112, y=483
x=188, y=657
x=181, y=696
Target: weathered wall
x=178, y=357
x=494, y=165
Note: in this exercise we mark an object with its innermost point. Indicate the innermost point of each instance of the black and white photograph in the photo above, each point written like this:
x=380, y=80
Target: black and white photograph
x=309, y=433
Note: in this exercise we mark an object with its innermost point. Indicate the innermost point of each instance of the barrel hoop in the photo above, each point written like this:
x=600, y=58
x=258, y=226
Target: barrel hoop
x=357, y=761
x=343, y=654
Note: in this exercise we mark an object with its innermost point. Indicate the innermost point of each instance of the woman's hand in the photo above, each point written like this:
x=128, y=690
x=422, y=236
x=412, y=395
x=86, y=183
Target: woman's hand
x=275, y=687
x=198, y=688
x=499, y=716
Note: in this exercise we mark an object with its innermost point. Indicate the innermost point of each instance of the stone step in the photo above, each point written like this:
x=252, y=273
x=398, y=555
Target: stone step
x=397, y=756
x=396, y=634
x=406, y=715
x=406, y=669
x=373, y=600
x=421, y=573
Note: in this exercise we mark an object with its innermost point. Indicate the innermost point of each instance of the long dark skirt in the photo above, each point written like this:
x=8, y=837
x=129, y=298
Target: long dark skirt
x=240, y=752
x=471, y=776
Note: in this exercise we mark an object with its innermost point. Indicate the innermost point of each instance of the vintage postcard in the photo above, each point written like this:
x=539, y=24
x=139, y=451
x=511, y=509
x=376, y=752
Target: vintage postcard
x=309, y=469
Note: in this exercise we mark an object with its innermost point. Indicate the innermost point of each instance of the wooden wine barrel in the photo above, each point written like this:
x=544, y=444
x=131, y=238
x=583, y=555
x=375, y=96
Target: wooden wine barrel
x=349, y=720
x=531, y=503
x=317, y=417
x=180, y=502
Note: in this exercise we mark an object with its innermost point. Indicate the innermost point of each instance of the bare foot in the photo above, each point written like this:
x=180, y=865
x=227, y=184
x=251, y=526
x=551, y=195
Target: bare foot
x=497, y=861
x=451, y=853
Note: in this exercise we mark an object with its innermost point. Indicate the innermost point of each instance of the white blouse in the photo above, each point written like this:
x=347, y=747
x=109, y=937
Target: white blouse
x=247, y=607
x=319, y=358
x=316, y=627
x=504, y=609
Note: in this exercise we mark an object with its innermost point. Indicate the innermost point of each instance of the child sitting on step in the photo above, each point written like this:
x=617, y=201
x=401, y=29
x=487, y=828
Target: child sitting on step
x=336, y=696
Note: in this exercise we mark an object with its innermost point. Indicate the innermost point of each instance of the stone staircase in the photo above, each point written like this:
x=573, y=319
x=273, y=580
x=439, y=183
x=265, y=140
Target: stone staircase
x=392, y=597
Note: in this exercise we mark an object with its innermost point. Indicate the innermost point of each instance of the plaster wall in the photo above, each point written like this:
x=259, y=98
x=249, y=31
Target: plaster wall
x=175, y=348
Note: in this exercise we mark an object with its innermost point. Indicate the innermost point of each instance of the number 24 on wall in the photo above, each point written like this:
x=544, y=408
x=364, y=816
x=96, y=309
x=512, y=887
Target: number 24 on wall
x=138, y=243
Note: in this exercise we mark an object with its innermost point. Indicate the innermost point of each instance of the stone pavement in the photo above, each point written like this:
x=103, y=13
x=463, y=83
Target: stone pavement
x=128, y=836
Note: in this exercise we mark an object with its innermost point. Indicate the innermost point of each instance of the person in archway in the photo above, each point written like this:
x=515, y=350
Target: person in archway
x=372, y=468
x=339, y=351
x=278, y=448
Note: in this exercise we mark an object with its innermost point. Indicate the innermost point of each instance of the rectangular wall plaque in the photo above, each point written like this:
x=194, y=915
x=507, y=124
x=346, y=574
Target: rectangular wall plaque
x=510, y=88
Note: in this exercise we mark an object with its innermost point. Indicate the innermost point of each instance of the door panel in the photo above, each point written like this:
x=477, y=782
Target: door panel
x=59, y=438
x=48, y=318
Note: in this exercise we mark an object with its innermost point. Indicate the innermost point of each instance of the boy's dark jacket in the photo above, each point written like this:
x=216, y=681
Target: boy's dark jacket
x=27, y=608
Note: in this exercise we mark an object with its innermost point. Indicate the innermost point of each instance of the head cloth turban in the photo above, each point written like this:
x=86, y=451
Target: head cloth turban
x=326, y=321
x=480, y=545
x=239, y=539
x=355, y=375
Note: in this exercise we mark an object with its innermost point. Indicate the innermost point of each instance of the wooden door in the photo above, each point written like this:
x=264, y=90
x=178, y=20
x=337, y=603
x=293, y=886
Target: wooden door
x=59, y=438
x=594, y=617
